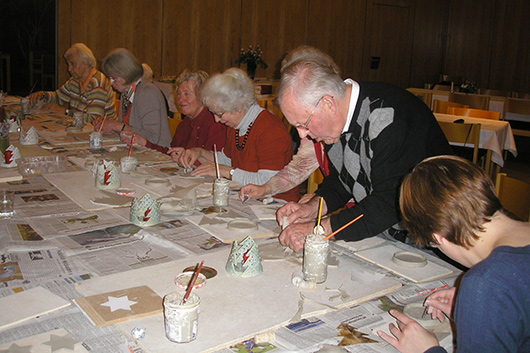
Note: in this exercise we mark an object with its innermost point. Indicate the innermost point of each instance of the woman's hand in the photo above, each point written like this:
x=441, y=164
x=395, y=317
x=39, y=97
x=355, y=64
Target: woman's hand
x=441, y=303
x=208, y=169
x=254, y=191
x=408, y=336
x=109, y=125
x=188, y=157
x=126, y=137
x=175, y=153
x=35, y=97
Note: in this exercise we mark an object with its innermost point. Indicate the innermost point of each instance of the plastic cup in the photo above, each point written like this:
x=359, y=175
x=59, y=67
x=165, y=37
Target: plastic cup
x=7, y=198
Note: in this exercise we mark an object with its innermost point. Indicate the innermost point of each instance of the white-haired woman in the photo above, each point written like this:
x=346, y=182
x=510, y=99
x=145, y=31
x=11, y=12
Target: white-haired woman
x=88, y=91
x=257, y=145
x=142, y=105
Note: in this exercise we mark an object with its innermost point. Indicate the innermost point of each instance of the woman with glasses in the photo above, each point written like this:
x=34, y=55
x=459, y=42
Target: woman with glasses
x=450, y=203
x=142, y=105
x=257, y=145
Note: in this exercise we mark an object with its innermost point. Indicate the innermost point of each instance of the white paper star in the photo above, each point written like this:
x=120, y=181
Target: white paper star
x=57, y=342
x=119, y=303
x=15, y=348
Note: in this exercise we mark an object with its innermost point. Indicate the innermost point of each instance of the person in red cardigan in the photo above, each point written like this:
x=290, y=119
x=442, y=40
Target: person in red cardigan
x=258, y=145
x=198, y=127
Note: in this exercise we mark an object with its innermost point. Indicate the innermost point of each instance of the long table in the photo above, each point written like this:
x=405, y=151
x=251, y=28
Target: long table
x=90, y=251
x=496, y=136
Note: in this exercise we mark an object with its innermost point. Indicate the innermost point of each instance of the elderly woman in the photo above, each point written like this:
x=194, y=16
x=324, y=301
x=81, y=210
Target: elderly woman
x=198, y=127
x=88, y=91
x=257, y=145
x=142, y=106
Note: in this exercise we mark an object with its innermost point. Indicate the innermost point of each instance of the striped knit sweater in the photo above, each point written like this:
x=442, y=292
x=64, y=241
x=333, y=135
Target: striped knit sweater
x=97, y=100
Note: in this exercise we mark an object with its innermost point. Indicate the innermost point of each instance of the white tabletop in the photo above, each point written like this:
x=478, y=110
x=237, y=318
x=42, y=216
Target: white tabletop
x=495, y=135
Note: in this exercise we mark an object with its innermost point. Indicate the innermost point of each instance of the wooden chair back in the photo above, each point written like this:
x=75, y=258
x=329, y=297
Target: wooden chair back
x=495, y=92
x=426, y=97
x=442, y=106
x=174, y=123
x=474, y=113
x=464, y=133
x=517, y=106
x=472, y=100
x=514, y=195
x=314, y=181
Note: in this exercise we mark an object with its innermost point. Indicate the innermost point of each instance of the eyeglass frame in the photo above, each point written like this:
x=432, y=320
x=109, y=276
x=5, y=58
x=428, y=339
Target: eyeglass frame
x=220, y=116
x=305, y=126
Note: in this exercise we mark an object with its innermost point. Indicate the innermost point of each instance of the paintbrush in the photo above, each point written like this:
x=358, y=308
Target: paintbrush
x=217, y=173
x=344, y=226
x=192, y=282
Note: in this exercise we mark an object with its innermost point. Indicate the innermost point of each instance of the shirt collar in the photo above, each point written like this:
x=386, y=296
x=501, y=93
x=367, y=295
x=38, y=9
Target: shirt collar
x=354, y=97
x=249, y=117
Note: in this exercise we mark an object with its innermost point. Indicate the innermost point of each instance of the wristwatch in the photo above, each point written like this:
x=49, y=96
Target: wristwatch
x=232, y=172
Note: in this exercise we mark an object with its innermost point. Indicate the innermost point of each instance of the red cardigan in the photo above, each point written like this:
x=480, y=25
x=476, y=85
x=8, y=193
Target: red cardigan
x=268, y=146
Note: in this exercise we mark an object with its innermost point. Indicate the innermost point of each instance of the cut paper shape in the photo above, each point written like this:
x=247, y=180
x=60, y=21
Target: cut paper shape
x=135, y=302
x=61, y=342
x=207, y=221
x=244, y=259
x=37, y=301
x=112, y=199
x=351, y=336
x=121, y=303
x=56, y=341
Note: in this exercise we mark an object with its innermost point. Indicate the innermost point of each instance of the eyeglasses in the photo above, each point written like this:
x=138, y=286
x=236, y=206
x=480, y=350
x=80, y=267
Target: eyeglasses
x=219, y=115
x=112, y=79
x=305, y=126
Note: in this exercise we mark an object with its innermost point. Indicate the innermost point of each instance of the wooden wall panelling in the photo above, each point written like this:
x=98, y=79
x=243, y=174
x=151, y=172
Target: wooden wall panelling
x=428, y=47
x=64, y=32
x=389, y=37
x=277, y=26
x=469, y=40
x=200, y=34
x=510, y=59
x=103, y=25
x=337, y=28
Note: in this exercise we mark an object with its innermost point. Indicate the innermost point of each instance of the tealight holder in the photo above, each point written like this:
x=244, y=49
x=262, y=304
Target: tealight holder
x=13, y=123
x=145, y=211
x=79, y=123
x=96, y=140
x=9, y=158
x=25, y=107
x=29, y=138
x=244, y=259
x=106, y=175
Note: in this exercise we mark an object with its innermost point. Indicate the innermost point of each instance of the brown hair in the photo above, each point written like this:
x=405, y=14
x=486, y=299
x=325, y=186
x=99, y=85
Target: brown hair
x=449, y=196
x=121, y=62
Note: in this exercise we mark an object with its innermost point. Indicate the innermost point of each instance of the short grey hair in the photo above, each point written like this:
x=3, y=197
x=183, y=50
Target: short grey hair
x=230, y=91
x=197, y=78
x=82, y=52
x=311, y=53
x=309, y=80
x=121, y=62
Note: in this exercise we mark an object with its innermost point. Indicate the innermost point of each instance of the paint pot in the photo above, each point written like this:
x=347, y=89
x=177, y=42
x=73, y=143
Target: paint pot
x=96, y=140
x=181, y=320
x=25, y=106
x=316, y=250
x=220, y=192
x=128, y=164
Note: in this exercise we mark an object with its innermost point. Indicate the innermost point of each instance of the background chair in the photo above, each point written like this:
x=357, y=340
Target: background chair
x=472, y=100
x=173, y=123
x=314, y=181
x=494, y=92
x=474, y=113
x=467, y=134
x=426, y=97
x=514, y=195
x=442, y=106
x=517, y=106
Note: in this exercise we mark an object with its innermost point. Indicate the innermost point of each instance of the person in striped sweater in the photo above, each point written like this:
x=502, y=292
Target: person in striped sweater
x=87, y=91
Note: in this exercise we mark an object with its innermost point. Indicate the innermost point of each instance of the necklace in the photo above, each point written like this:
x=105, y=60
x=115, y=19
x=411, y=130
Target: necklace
x=245, y=139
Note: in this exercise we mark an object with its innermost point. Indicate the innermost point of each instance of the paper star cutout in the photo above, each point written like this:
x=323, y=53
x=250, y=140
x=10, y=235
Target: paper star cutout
x=57, y=342
x=205, y=221
x=119, y=303
x=15, y=348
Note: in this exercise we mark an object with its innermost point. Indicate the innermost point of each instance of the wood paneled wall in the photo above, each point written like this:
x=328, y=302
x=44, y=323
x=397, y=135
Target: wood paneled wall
x=486, y=41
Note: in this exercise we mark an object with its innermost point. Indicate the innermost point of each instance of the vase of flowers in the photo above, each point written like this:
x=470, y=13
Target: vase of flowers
x=251, y=57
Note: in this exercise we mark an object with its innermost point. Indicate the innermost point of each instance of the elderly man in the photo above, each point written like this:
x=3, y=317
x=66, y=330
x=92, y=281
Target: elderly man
x=375, y=133
x=88, y=91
